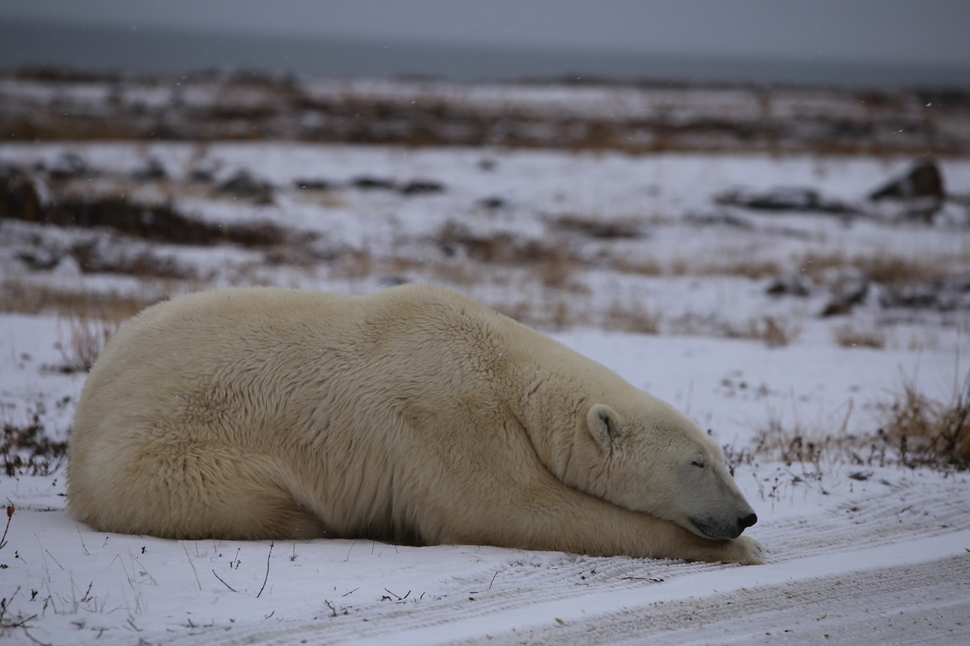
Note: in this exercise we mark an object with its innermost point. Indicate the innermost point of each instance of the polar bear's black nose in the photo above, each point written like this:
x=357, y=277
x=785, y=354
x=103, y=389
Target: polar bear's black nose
x=747, y=521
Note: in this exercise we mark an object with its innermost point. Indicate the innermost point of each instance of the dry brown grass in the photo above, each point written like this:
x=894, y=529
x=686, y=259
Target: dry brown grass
x=916, y=431
x=627, y=316
x=162, y=222
x=849, y=336
x=22, y=298
x=558, y=315
x=554, y=312
x=26, y=449
x=747, y=268
x=814, y=447
x=880, y=268
x=354, y=265
x=775, y=333
x=143, y=264
x=552, y=263
x=646, y=267
x=457, y=272
x=930, y=432
x=598, y=227
x=889, y=270
x=82, y=341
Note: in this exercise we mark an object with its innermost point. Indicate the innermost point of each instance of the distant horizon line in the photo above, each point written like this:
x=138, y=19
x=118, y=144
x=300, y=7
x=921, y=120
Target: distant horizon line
x=27, y=43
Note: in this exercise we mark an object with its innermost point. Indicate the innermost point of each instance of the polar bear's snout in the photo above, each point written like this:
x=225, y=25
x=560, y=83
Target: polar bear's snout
x=720, y=529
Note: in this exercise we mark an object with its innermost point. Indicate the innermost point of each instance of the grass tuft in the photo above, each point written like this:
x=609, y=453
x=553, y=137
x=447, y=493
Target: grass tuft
x=848, y=336
x=929, y=432
x=86, y=338
x=27, y=450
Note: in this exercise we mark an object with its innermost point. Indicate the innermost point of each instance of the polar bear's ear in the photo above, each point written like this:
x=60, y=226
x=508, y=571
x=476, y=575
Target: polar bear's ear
x=604, y=425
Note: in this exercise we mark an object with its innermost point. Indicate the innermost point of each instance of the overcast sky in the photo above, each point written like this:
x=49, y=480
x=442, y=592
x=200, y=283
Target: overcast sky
x=935, y=32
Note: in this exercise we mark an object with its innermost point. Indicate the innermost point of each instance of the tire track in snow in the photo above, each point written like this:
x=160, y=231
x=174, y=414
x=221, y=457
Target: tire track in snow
x=914, y=604
x=902, y=514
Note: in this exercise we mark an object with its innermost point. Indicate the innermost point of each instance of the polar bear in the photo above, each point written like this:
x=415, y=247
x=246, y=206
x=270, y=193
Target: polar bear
x=411, y=415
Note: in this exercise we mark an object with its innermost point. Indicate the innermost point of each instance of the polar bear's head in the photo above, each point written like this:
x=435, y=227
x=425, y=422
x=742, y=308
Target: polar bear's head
x=648, y=457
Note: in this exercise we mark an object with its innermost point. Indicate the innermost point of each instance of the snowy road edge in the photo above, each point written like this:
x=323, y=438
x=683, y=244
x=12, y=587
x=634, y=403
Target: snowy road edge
x=692, y=586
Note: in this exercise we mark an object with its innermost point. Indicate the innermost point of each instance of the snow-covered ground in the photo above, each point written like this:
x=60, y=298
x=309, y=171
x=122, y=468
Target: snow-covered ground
x=630, y=260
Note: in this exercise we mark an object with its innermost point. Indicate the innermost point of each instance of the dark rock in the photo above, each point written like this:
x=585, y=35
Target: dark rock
x=243, y=184
x=944, y=295
x=922, y=180
x=371, y=183
x=202, y=175
x=393, y=281
x=715, y=219
x=795, y=199
x=849, y=297
x=419, y=187
x=40, y=259
x=492, y=203
x=312, y=184
x=920, y=191
x=790, y=286
x=152, y=171
x=68, y=166
x=20, y=197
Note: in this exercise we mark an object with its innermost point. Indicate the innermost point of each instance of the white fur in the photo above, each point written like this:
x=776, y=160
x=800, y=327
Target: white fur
x=410, y=415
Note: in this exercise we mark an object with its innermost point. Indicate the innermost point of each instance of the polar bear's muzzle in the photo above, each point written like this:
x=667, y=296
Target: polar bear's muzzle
x=721, y=530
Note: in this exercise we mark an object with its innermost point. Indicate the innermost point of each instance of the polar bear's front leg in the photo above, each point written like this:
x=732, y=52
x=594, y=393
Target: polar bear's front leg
x=639, y=534
x=548, y=516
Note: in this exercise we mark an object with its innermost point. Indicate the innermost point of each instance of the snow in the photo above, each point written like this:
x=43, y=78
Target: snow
x=859, y=553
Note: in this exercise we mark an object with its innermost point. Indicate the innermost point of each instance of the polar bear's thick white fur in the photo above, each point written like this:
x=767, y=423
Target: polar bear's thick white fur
x=411, y=415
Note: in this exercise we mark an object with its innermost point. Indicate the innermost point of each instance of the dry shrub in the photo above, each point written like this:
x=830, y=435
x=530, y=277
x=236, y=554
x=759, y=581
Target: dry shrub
x=554, y=316
x=646, y=267
x=790, y=444
x=93, y=259
x=774, y=332
x=355, y=264
x=917, y=431
x=598, y=228
x=748, y=268
x=794, y=442
x=553, y=263
x=631, y=317
x=848, y=336
x=888, y=270
x=879, y=268
x=23, y=298
x=83, y=342
x=27, y=450
x=457, y=272
x=555, y=268
x=153, y=222
x=930, y=432
x=754, y=269
x=820, y=267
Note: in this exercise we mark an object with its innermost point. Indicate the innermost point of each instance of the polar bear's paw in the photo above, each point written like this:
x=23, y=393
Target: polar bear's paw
x=745, y=551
